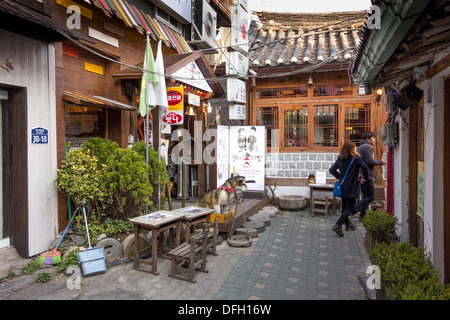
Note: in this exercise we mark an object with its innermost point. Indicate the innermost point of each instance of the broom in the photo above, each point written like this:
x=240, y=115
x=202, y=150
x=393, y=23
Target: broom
x=54, y=256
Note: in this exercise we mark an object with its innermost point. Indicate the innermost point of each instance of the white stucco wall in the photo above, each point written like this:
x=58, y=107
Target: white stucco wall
x=34, y=69
x=401, y=178
x=433, y=170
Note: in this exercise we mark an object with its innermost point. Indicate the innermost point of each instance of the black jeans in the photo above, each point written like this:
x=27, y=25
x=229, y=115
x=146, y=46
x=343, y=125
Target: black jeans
x=347, y=206
x=368, y=191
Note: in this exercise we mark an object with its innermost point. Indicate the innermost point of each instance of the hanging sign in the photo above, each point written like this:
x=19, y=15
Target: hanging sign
x=194, y=99
x=239, y=19
x=236, y=90
x=174, y=114
x=236, y=112
x=39, y=136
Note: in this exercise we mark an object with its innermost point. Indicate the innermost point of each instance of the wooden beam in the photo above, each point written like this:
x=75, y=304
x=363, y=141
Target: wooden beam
x=439, y=66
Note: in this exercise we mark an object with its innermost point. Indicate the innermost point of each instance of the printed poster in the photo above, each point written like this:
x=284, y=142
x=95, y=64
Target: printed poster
x=247, y=154
x=223, y=157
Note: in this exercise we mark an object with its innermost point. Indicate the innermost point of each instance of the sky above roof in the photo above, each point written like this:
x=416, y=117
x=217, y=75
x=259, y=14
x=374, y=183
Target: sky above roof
x=308, y=6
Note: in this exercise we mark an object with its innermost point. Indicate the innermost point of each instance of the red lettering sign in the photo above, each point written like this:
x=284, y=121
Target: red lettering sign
x=172, y=118
x=174, y=97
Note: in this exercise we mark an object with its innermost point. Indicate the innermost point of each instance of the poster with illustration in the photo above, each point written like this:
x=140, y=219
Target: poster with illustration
x=223, y=158
x=163, y=150
x=247, y=154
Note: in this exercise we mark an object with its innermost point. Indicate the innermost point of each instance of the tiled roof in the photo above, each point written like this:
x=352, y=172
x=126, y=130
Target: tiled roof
x=292, y=38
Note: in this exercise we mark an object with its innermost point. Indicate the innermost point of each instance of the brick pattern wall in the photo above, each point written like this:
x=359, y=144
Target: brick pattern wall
x=298, y=165
x=301, y=165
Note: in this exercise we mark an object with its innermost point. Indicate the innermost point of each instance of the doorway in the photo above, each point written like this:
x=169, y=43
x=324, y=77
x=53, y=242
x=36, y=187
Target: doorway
x=14, y=164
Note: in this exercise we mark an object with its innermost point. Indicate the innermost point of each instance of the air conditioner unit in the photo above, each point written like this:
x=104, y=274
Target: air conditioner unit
x=204, y=25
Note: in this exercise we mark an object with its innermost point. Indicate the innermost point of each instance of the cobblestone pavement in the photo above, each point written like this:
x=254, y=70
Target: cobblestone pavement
x=300, y=257
x=297, y=257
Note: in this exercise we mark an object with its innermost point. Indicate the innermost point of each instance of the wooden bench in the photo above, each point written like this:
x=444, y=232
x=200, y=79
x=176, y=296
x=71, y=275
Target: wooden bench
x=322, y=201
x=191, y=256
x=212, y=236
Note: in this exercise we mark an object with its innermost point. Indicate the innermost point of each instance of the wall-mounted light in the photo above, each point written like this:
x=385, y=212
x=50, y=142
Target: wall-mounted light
x=310, y=80
x=379, y=93
x=208, y=107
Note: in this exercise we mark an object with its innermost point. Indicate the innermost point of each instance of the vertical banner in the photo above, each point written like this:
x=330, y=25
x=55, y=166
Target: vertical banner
x=174, y=115
x=247, y=154
x=223, y=154
x=420, y=188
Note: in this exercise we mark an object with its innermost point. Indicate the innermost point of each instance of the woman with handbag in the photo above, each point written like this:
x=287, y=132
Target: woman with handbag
x=346, y=171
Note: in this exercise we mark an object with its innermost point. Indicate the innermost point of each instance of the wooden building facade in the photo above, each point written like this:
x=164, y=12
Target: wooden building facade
x=29, y=201
x=303, y=94
x=64, y=54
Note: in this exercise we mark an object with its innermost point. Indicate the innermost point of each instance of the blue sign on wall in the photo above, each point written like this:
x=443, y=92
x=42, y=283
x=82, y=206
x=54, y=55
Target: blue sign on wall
x=39, y=135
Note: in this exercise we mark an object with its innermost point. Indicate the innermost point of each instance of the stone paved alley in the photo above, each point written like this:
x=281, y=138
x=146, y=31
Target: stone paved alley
x=297, y=257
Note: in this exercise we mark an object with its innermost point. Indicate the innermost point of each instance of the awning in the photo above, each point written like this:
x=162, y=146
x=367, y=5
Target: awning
x=18, y=18
x=175, y=62
x=136, y=15
x=95, y=101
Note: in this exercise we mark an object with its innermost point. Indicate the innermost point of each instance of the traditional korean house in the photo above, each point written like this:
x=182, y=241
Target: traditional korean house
x=302, y=92
x=408, y=56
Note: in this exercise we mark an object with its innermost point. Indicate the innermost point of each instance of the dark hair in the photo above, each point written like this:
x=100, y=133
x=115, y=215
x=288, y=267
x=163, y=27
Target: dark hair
x=367, y=135
x=348, y=151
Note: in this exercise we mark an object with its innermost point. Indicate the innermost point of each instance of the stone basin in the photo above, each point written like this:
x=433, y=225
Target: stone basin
x=292, y=202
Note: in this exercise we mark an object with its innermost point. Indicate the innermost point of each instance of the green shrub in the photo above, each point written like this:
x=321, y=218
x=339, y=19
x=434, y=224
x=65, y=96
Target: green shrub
x=31, y=267
x=71, y=260
x=117, y=227
x=44, y=277
x=407, y=272
x=79, y=177
x=126, y=184
x=157, y=171
x=111, y=227
x=101, y=148
x=380, y=227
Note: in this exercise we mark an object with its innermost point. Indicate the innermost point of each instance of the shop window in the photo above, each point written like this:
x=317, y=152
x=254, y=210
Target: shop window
x=268, y=116
x=357, y=121
x=332, y=90
x=326, y=125
x=82, y=123
x=296, y=127
x=271, y=93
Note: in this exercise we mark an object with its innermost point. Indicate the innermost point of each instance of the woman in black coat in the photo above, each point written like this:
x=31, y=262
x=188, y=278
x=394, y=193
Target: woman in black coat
x=350, y=186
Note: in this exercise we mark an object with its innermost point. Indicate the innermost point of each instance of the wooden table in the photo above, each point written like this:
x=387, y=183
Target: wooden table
x=192, y=216
x=319, y=187
x=156, y=222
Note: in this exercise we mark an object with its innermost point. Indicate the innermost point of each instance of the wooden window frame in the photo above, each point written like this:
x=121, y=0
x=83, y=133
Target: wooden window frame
x=284, y=104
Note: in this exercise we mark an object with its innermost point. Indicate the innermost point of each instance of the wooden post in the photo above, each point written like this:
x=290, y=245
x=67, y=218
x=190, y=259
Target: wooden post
x=183, y=184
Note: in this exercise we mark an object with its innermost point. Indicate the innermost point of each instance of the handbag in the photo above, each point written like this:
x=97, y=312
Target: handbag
x=338, y=184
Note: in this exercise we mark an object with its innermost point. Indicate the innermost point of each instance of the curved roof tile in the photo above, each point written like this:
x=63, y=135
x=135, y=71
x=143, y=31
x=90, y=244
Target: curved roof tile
x=304, y=38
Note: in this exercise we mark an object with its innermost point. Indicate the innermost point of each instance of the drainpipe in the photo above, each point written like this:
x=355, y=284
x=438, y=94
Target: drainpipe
x=250, y=100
